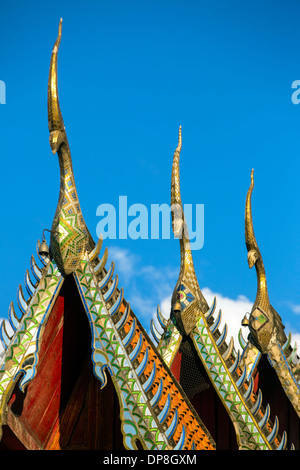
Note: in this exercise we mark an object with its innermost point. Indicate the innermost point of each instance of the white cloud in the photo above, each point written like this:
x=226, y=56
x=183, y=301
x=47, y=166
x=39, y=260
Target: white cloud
x=125, y=261
x=165, y=306
x=295, y=308
x=1, y=346
x=147, y=286
x=296, y=338
x=233, y=311
x=10, y=332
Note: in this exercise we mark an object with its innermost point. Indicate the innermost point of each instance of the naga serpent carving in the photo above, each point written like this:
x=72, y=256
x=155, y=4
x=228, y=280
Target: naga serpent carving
x=187, y=273
x=264, y=320
x=70, y=236
x=153, y=407
x=191, y=316
x=267, y=334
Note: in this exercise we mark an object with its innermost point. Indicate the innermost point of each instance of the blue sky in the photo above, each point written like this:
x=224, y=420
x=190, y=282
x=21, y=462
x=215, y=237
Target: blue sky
x=129, y=74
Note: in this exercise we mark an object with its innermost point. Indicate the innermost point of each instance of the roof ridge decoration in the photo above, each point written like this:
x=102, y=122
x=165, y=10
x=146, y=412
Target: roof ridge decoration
x=267, y=334
x=190, y=315
x=154, y=408
x=187, y=273
x=69, y=234
x=22, y=347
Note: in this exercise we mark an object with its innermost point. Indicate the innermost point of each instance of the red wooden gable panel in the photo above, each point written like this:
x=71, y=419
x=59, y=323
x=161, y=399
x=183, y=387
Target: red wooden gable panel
x=63, y=406
x=280, y=405
x=189, y=371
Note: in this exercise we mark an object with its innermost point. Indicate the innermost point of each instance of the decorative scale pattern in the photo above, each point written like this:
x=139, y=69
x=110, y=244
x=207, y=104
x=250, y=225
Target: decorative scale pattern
x=70, y=236
x=21, y=355
x=266, y=329
x=219, y=359
x=154, y=409
x=231, y=391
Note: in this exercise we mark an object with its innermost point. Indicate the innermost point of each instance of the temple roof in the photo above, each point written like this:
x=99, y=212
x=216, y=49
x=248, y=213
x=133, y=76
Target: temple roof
x=156, y=411
x=191, y=317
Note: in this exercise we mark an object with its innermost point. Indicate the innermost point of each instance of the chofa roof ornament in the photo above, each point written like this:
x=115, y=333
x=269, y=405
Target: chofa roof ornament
x=187, y=284
x=70, y=236
x=264, y=321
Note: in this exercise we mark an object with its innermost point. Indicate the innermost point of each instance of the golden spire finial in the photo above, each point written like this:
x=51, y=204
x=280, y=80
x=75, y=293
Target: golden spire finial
x=55, y=120
x=187, y=275
x=176, y=204
x=175, y=182
x=179, y=223
x=254, y=255
x=70, y=237
x=249, y=231
x=263, y=317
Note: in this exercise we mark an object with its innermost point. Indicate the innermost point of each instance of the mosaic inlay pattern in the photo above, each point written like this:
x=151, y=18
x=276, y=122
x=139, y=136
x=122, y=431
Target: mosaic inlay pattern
x=153, y=408
x=219, y=358
x=21, y=355
x=265, y=325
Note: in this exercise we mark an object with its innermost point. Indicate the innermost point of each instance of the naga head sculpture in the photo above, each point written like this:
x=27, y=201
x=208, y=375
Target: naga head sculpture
x=187, y=297
x=69, y=235
x=252, y=258
x=264, y=322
